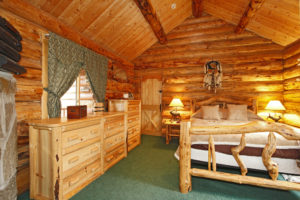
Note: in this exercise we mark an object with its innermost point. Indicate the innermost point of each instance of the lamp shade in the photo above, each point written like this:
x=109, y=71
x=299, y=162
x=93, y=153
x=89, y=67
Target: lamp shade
x=176, y=103
x=275, y=105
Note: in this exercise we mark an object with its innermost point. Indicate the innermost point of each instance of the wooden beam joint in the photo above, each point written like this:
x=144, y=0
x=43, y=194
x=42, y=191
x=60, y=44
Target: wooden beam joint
x=150, y=15
x=249, y=13
x=197, y=8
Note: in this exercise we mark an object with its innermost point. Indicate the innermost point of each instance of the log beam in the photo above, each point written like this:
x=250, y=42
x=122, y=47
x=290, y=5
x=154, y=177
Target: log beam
x=249, y=13
x=51, y=23
x=185, y=179
x=150, y=15
x=240, y=179
x=197, y=8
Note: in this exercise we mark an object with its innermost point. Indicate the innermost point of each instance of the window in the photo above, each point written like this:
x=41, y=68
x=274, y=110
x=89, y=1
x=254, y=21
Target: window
x=79, y=93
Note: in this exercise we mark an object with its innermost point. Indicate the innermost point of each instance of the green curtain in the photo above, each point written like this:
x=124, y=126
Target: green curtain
x=65, y=60
x=97, y=75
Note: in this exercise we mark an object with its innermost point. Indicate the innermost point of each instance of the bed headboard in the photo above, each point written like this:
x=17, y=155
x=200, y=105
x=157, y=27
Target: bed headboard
x=219, y=100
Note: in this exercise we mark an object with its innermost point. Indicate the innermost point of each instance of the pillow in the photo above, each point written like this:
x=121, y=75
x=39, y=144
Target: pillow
x=211, y=112
x=237, y=112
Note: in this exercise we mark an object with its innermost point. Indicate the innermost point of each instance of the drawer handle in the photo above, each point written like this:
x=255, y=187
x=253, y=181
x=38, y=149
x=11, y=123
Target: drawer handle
x=74, y=181
x=73, y=138
x=95, y=149
x=93, y=169
x=109, y=158
x=130, y=120
x=74, y=159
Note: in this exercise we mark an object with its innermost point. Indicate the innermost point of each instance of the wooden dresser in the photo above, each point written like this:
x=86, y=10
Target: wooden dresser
x=66, y=155
x=133, y=110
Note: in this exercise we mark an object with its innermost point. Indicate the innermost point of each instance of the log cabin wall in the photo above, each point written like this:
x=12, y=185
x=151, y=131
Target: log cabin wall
x=252, y=66
x=291, y=76
x=29, y=90
x=29, y=87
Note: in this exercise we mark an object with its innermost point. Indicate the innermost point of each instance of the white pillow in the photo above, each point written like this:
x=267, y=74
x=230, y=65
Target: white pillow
x=211, y=112
x=237, y=112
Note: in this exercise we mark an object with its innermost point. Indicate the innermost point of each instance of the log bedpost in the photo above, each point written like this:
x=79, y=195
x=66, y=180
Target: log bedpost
x=185, y=183
x=267, y=153
x=236, y=154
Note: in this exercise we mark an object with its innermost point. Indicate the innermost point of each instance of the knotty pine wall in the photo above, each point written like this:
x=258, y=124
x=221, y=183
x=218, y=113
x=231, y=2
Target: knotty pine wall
x=252, y=66
x=291, y=76
x=29, y=88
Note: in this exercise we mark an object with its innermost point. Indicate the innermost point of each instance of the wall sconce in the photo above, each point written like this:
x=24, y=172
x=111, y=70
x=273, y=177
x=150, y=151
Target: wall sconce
x=275, y=105
x=176, y=102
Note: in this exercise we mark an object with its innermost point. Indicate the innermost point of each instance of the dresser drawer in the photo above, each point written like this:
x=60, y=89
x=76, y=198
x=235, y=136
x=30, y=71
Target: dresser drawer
x=133, y=131
x=133, y=102
x=133, y=113
x=114, y=131
x=115, y=119
x=81, y=177
x=133, y=107
x=134, y=119
x=75, y=139
x=133, y=142
x=113, y=157
x=113, y=141
x=76, y=159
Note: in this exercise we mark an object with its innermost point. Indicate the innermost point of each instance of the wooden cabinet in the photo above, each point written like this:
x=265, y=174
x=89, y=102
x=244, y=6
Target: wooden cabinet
x=133, y=110
x=66, y=155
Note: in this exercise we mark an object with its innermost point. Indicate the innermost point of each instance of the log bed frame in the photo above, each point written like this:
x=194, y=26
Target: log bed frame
x=186, y=172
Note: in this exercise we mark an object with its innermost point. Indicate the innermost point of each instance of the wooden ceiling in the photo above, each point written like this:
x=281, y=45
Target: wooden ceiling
x=118, y=24
x=277, y=20
x=121, y=27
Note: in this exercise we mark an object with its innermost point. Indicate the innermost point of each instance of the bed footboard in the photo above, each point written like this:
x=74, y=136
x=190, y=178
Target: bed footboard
x=186, y=171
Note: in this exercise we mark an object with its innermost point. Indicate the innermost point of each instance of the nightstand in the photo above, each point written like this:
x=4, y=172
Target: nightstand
x=169, y=128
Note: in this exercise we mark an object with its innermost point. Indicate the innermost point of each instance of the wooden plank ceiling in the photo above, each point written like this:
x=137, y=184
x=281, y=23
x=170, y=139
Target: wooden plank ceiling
x=277, y=20
x=120, y=25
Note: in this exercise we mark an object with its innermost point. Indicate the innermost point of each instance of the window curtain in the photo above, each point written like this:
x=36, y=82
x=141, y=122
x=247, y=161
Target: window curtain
x=65, y=60
x=97, y=75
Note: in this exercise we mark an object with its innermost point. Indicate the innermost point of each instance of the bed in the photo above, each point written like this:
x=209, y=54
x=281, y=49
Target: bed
x=234, y=140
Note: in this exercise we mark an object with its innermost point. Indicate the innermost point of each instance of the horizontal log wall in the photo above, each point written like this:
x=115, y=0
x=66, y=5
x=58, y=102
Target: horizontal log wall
x=252, y=66
x=291, y=85
x=29, y=90
x=29, y=87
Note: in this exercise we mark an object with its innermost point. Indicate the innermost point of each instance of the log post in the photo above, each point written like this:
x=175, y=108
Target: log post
x=185, y=183
x=267, y=153
x=211, y=154
x=235, y=152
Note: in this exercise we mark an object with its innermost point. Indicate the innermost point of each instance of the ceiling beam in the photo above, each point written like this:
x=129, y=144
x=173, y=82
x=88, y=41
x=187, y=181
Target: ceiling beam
x=197, y=8
x=51, y=23
x=150, y=15
x=249, y=13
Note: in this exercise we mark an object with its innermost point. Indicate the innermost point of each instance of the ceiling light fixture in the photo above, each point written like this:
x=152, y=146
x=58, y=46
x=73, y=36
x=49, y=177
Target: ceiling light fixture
x=173, y=6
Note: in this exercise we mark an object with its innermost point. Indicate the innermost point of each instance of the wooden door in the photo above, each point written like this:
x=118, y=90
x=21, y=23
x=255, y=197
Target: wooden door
x=151, y=106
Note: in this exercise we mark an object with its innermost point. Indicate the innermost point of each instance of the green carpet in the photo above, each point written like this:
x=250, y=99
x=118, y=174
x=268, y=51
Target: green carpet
x=150, y=172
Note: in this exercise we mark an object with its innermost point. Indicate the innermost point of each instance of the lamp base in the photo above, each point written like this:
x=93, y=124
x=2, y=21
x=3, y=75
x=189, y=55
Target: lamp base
x=175, y=116
x=274, y=118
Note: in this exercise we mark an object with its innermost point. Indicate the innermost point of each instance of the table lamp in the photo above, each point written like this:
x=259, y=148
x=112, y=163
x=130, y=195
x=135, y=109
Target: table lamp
x=275, y=105
x=176, y=102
